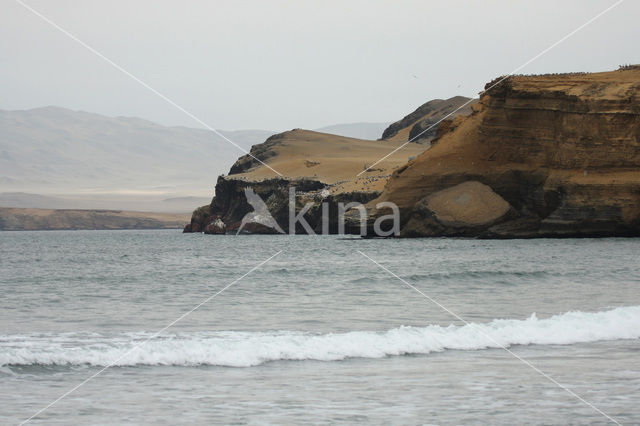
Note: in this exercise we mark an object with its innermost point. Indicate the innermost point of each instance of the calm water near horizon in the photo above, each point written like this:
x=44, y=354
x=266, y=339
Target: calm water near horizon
x=318, y=334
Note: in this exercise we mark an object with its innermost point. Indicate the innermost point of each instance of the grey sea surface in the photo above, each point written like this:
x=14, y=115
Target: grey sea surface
x=319, y=333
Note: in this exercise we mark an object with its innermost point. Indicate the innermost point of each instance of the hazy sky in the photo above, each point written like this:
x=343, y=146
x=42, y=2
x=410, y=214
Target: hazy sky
x=283, y=64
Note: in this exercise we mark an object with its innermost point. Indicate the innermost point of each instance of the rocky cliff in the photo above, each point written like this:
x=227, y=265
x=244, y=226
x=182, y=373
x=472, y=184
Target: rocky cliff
x=549, y=155
x=323, y=168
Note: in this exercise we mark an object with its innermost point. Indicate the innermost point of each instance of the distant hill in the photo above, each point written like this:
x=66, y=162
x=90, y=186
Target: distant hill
x=57, y=150
x=117, y=202
x=356, y=130
x=41, y=219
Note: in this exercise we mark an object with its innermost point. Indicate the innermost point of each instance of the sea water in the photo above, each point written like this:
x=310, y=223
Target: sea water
x=440, y=331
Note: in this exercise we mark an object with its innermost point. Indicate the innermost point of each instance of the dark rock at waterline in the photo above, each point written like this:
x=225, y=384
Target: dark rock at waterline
x=230, y=206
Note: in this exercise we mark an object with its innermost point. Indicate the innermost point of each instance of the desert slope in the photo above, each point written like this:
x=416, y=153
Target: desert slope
x=548, y=155
x=331, y=159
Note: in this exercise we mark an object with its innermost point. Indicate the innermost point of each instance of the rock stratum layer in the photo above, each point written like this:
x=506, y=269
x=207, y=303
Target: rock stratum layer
x=541, y=156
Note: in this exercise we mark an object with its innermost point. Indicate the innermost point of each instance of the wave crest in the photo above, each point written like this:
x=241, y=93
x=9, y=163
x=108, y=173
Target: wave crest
x=244, y=349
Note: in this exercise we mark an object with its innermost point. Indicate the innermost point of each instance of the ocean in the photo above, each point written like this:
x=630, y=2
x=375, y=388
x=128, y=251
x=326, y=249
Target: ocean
x=319, y=333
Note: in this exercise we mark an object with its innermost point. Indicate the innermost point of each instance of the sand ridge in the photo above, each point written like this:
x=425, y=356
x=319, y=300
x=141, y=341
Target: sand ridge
x=335, y=160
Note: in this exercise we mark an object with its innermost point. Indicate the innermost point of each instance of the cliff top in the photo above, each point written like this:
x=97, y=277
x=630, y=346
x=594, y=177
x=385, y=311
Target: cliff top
x=328, y=158
x=608, y=85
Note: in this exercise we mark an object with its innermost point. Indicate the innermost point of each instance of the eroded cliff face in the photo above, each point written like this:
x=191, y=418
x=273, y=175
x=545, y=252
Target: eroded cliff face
x=550, y=155
x=230, y=206
x=324, y=170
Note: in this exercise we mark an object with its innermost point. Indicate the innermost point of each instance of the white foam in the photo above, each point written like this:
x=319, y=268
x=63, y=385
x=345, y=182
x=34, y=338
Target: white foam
x=243, y=349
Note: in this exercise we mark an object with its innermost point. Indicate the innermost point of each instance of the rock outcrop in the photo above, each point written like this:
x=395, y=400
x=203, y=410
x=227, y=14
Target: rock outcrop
x=419, y=125
x=230, y=206
x=540, y=156
x=322, y=168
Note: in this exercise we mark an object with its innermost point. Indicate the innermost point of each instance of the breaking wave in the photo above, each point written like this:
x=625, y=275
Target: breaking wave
x=244, y=349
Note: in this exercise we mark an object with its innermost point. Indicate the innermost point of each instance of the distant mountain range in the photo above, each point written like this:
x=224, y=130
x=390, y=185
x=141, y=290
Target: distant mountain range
x=56, y=150
x=88, y=160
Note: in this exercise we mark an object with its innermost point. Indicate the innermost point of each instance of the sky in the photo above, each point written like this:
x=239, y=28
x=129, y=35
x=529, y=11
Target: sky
x=279, y=65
